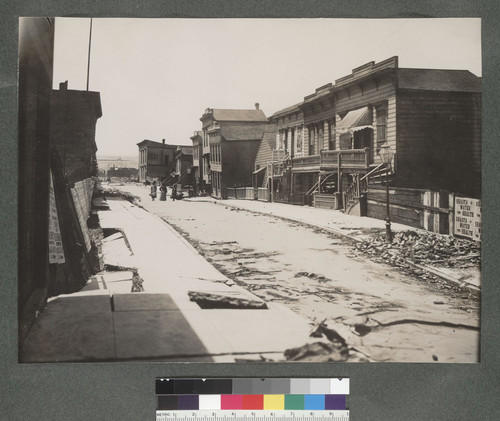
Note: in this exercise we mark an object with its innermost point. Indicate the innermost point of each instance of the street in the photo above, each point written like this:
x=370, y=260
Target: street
x=380, y=311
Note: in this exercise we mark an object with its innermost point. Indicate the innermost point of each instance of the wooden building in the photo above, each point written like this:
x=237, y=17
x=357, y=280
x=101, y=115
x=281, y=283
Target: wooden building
x=184, y=173
x=291, y=141
x=232, y=138
x=430, y=118
x=156, y=160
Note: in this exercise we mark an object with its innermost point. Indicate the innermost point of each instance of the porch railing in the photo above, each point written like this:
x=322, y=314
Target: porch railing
x=348, y=158
x=306, y=161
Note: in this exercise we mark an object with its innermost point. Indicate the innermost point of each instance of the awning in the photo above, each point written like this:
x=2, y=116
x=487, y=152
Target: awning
x=356, y=120
x=259, y=170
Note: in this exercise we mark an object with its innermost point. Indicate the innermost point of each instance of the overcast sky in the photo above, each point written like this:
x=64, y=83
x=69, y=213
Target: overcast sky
x=157, y=76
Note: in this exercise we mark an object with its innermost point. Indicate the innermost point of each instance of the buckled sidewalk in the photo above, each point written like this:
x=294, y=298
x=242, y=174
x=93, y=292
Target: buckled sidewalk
x=107, y=322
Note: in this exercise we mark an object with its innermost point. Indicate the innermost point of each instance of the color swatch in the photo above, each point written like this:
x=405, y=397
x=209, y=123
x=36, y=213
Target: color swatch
x=252, y=394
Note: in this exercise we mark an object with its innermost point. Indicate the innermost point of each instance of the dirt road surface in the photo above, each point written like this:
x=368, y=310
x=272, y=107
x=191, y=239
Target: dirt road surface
x=382, y=312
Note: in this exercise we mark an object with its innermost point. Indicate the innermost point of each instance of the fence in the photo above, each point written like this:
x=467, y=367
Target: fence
x=263, y=194
x=241, y=193
x=432, y=211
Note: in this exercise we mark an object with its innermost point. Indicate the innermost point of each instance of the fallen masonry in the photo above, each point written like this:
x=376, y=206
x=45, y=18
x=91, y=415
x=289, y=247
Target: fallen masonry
x=424, y=248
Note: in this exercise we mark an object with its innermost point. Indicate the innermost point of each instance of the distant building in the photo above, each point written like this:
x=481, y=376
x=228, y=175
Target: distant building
x=184, y=173
x=156, y=160
x=198, y=182
x=231, y=139
x=106, y=162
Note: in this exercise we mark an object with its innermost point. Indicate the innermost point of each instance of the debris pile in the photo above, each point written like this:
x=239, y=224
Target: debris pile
x=425, y=249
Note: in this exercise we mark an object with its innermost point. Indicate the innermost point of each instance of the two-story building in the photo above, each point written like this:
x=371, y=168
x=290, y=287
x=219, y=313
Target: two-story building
x=156, y=160
x=430, y=118
x=231, y=139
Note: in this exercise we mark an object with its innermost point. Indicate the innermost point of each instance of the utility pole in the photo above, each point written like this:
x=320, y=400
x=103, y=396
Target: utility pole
x=90, y=45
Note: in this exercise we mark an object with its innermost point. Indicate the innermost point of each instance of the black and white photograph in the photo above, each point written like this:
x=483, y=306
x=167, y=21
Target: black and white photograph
x=249, y=190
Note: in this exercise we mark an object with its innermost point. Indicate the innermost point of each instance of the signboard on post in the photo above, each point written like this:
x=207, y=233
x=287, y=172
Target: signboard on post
x=468, y=218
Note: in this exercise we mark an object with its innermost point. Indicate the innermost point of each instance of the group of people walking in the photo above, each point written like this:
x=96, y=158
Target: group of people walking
x=163, y=191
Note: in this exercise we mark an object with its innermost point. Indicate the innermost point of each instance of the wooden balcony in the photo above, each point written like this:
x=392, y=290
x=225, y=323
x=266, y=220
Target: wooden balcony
x=306, y=163
x=348, y=159
x=355, y=159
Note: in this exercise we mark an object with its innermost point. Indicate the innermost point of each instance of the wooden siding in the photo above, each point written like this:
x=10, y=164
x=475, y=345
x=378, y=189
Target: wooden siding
x=439, y=141
x=264, y=154
x=354, y=97
x=370, y=94
x=319, y=111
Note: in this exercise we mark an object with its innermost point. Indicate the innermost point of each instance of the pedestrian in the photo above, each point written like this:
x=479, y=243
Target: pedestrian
x=174, y=192
x=163, y=192
x=153, y=191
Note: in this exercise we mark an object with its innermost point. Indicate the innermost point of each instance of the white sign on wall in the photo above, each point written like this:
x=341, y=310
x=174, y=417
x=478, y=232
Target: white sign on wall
x=468, y=218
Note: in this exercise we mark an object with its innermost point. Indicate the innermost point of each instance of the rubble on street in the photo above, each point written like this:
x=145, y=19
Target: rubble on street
x=424, y=248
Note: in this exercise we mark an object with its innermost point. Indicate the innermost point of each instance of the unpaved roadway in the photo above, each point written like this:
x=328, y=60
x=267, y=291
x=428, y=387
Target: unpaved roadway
x=386, y=314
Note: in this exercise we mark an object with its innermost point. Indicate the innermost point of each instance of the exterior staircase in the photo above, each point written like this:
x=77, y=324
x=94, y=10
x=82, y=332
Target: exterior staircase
x=354, y=194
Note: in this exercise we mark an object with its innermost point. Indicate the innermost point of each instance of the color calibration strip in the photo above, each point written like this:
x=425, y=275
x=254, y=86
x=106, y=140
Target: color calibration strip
x=252, y=394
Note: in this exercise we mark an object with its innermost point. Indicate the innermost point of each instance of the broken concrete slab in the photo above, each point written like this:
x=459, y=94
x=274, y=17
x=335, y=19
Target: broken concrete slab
x=142, y=301
x=100, y=203
x=113, y=237
x=229, y=299
x=117, y=276
x=73, y=328
x=94, y=283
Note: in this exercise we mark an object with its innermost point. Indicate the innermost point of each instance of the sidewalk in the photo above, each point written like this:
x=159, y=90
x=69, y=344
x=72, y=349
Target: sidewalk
x=107, y=322
x=356, y=228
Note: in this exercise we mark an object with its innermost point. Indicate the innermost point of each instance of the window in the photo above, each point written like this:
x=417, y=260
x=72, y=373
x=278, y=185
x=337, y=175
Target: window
x=299, y=139
x=312, y=135
x=320, y=136
x=381, y=123
x=331, y=136
x=165, y=160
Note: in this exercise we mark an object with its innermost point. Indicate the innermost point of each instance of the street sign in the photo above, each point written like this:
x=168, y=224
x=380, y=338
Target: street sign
x=468, y=218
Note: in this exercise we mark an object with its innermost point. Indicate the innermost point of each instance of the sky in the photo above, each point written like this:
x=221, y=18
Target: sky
x=157, y=76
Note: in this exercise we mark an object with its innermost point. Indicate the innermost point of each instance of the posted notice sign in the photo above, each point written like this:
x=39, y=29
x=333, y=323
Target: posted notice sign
x=468, y=218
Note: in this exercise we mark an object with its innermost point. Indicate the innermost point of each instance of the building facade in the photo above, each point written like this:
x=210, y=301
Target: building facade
x=198, y=182
x=156, y=160
x=429, y=118
x=231, y=140
x=184, y=171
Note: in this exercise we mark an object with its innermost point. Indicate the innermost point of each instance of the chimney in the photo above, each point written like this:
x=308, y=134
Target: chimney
x=256, y=105
x=63, y=86
x=163, y=141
